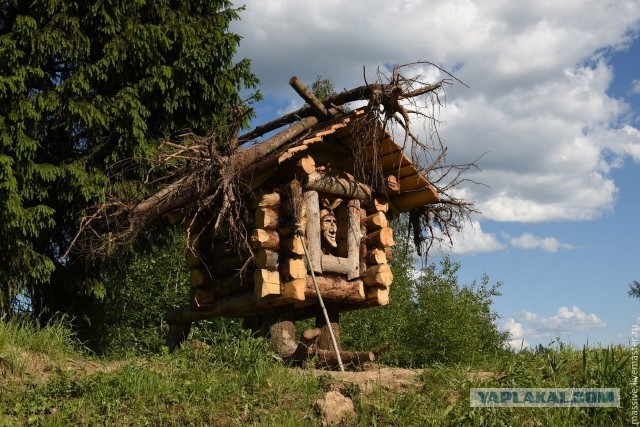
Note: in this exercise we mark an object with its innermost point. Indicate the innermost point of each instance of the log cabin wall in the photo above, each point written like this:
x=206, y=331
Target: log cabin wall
x=278, y=272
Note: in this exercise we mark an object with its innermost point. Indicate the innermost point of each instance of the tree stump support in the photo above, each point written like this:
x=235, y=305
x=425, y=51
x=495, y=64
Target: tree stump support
x=177, y=334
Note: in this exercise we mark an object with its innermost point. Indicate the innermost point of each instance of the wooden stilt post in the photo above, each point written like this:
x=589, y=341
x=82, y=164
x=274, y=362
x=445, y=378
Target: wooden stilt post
x=324, y=340
x=178, y=332
x=282, y=330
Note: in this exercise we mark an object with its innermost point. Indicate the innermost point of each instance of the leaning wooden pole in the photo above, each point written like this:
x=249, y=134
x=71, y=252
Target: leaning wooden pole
x=300, y=233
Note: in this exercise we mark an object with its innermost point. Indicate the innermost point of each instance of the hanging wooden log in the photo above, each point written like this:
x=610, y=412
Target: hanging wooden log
x=336, y=289
x=393, y=212
x=378, y=275
x=377, y=256
x=376, y=221
x=266, y=258
x=217, y=249
x=265, y=239
x=294, y=268
x=381, y=238
x=294, y=290
x=378, y=204
x=266, y=283
x=339, y=186
x=313, y=231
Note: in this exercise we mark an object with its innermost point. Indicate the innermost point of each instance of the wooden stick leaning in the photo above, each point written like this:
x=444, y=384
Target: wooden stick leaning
x=324, y=309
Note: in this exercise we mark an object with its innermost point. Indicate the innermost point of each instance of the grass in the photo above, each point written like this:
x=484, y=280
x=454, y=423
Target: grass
x=238, y=381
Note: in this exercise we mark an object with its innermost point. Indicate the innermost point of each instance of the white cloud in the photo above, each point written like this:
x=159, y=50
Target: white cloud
x=564, y=321
x=516, y=334
x=537, y=104
x=529, y=241
x=472, y=240
x=528, y=326
x=635, y=86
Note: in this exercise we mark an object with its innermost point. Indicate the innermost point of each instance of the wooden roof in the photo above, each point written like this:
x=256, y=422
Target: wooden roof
x=415, y=190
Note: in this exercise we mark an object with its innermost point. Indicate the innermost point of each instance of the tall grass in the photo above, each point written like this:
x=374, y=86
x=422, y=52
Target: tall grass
x=20, y=339
x=231, y=378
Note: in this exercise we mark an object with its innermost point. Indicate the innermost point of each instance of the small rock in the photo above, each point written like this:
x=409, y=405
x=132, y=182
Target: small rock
x=335, y=409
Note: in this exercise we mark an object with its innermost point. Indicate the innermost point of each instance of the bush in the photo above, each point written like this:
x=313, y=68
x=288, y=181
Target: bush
x=140, y=286
x=431, y=317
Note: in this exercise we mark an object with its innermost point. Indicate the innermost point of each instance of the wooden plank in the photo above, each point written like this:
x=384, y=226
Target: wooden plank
x=266, y=283
x=313, y=230
x=407, y=201
x=354, y=237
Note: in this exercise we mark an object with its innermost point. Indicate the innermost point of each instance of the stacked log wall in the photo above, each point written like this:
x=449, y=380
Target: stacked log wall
x=278, y=273
x=379, y=240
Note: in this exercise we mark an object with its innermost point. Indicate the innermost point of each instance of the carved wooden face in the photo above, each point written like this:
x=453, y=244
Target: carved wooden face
x=329, y=231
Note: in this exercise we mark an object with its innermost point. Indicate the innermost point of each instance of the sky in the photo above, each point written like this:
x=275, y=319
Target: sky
x=553, y=108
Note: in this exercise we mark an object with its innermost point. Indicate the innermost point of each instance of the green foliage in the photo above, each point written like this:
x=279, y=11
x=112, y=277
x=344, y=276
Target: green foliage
x=140, y=287
x=323, y=88
x=634, y=289
x=84, y=85
x=431, y=317
x=22, y=336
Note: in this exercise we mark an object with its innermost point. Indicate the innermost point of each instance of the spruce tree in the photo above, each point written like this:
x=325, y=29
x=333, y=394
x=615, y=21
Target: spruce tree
x=83, y=85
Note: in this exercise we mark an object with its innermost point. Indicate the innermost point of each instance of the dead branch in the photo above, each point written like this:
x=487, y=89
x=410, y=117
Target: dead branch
x=205, y=175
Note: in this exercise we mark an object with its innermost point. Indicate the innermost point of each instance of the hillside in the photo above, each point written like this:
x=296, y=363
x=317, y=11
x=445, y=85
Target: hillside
x=45, y=379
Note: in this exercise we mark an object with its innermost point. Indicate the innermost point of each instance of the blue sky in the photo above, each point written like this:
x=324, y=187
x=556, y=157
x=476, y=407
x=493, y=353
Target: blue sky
x=554, y=102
